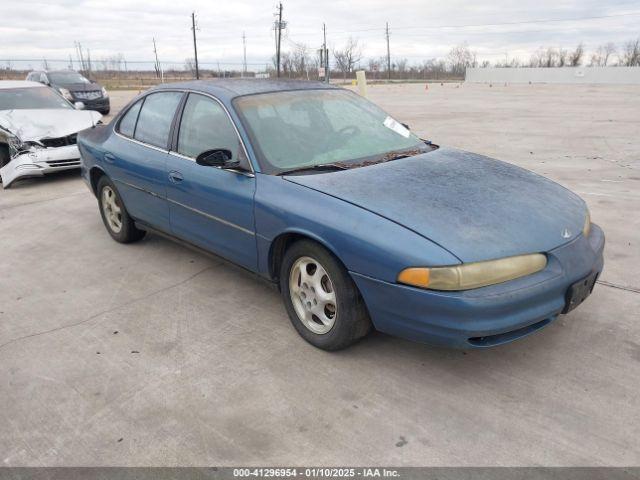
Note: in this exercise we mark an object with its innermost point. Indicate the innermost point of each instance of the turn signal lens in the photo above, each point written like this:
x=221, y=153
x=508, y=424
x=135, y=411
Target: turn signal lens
x=418, y=277
x=473, y=275
x=587, y=225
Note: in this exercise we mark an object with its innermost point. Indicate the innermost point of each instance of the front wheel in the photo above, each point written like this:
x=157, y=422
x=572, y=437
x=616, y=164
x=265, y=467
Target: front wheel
x=114, y=216
x=322, y=301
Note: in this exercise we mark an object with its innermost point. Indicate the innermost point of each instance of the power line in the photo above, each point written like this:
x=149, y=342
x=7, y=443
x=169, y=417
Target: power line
x=400, y=29
x=524, y=22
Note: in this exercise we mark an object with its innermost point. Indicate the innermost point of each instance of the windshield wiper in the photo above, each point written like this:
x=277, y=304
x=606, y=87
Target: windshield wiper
x=397, y=155
x=325, y=167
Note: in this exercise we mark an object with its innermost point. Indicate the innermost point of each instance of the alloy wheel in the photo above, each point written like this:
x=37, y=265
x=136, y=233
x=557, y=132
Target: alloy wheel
x=111, y=209
x=313, y=295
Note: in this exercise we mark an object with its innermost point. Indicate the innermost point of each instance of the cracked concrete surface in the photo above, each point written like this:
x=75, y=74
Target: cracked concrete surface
x=151, y=354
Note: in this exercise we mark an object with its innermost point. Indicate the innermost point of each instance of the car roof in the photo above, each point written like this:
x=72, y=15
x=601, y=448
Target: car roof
x=230, y=88
x=4, y=84
x=60, y=70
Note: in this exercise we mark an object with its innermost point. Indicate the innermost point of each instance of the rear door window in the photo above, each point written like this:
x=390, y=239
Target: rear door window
x=156, y=115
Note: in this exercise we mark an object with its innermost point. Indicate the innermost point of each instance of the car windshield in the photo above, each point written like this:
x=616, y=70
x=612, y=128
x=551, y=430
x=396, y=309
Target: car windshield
x=31, y=97
x=62, y=78
x=305, y=128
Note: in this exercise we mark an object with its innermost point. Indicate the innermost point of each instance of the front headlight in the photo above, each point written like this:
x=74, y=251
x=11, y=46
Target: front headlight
x=473, y=275
x=587, y=225
x=104, y=93
x=66, y=94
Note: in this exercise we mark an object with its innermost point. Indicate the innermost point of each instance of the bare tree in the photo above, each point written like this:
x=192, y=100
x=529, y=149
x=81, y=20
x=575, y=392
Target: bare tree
x=190, y=65
x=460, y=57
x=286, y=64
x=401, y=64
x=506, y=63
x=630, y=56
x=348, y=57
x=550, y=58
x=575, y=57
x=300, y=60
x=112, y=62
x=562, y=58
x=608, y=49
x=600, y=58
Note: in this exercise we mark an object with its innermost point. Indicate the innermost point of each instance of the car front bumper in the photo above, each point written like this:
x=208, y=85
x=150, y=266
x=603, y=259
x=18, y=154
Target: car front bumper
x=487, y=316
x=39, y=162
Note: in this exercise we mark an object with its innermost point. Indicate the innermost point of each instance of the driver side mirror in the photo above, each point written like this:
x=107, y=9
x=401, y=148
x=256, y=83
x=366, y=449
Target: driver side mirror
x=218, y=157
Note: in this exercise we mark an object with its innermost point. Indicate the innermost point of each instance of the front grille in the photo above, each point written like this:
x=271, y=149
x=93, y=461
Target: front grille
x=60, y=142
x=64, y=163
x=88, y=95
x=492, y=340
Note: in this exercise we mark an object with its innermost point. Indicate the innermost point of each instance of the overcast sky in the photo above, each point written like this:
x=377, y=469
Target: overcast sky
x=420, y=29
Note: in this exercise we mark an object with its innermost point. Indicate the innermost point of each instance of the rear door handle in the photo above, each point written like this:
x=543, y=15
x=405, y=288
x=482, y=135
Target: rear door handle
x=109, y=157
x=175, y=176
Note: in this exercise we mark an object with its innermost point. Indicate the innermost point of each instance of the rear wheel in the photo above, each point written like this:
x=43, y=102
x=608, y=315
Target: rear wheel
x=114, y=216
x=322, y=301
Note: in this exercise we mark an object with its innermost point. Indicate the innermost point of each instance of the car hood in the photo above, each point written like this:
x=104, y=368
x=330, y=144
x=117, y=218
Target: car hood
x=475, y=207
x=36, y=124
x=80, y=87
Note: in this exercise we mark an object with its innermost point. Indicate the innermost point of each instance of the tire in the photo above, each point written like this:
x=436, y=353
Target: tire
x=322, y=301
x=114, y=216
x=105, y=111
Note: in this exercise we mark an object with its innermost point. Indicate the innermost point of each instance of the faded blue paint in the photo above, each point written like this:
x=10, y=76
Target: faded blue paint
x=439, y=208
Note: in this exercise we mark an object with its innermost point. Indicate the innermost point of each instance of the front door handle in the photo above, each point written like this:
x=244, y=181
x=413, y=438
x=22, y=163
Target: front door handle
x=175, y=176
x=109, y=157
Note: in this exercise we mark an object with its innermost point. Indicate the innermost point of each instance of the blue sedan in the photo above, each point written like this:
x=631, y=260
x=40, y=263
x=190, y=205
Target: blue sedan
x=359, y=222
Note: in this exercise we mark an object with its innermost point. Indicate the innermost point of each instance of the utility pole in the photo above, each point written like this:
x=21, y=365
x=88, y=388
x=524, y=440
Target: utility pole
x=244, y=54
x=155, y=53
x=279, y=27
x=388, y=54
x=83, y=67
x=325, y=54
x=195, y=48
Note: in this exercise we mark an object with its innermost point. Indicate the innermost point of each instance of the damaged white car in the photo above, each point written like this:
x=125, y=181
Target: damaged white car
x=38, y=130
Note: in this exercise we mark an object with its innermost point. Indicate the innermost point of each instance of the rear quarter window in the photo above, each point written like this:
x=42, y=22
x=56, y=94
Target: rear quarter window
x=128, y=123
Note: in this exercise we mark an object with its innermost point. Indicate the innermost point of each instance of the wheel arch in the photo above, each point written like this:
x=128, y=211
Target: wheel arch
x=94, y=177
x=284, y=240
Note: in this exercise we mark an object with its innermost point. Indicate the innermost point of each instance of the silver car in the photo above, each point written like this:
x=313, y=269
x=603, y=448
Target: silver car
x=38, y=129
